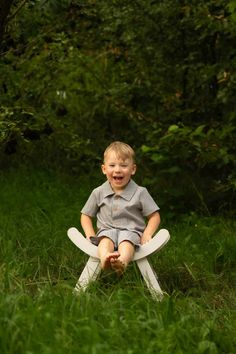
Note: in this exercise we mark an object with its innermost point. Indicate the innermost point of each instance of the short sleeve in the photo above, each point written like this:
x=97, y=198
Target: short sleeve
x=91, y=206
x=149, y=206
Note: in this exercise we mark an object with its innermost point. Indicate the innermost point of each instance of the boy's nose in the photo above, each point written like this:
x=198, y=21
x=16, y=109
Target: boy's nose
x=117, y=168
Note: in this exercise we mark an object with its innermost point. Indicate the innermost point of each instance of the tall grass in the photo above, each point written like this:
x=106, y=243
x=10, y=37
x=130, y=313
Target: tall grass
x=39, y=267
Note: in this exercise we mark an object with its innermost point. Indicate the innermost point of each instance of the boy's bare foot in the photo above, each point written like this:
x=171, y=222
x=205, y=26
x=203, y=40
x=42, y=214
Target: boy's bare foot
x=106, y=264
x=118, y=265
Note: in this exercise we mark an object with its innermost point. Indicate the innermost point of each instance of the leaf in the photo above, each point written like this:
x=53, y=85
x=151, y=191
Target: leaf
x=173, y=128
x=198, y=130
x=145, y=148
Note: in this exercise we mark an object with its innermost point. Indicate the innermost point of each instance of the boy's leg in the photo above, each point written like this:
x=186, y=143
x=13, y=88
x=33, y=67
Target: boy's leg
x=106, y=252
x=126, y=251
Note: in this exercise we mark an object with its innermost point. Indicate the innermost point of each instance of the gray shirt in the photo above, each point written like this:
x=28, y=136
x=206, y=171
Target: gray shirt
x=126, y=211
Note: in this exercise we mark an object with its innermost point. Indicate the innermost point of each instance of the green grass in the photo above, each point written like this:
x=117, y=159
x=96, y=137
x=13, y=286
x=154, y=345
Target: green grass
x=39, y=267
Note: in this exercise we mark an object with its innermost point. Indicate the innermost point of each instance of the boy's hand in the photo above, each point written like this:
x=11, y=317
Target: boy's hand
x=89, y=237
x=145, y=239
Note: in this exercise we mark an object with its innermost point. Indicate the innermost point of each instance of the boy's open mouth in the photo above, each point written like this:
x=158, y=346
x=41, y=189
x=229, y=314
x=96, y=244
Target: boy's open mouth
x=117, y=178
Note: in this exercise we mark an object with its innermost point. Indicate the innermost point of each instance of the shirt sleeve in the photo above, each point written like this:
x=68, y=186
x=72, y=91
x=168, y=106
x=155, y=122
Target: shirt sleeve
x=91, y=206
x=149, y=206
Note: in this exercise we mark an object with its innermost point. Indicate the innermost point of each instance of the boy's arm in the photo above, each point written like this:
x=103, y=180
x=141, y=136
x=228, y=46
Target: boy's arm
x=152, y=225
x=87, y=225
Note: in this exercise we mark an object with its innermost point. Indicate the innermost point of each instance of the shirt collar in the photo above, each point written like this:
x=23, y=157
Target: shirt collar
x=127, y=193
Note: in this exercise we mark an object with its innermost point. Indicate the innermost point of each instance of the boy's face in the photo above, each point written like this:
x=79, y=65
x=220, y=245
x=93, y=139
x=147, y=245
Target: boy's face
x=118, y=171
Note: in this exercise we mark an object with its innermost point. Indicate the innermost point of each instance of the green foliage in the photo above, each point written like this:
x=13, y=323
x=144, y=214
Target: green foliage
x=160, y=75
x=197, y=154
x=232, y=9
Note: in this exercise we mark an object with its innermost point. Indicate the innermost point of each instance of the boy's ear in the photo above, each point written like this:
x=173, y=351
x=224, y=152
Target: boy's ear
x=134, y=169
x=103, y=169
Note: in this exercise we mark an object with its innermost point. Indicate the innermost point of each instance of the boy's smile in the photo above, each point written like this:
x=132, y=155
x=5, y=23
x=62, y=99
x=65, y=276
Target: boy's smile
x=118, y=171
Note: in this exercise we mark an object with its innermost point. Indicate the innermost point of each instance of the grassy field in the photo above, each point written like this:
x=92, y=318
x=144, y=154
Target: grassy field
x=39, y=268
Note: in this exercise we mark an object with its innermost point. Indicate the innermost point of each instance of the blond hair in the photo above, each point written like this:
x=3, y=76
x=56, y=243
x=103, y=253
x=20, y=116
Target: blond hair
x=122, y=150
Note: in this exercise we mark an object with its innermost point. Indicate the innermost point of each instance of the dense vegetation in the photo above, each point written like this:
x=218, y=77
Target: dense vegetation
x=160, y=75
x=40, y=266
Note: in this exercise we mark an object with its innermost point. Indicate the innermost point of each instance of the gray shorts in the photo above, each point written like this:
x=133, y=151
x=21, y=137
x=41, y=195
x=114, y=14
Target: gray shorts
x=117, y=236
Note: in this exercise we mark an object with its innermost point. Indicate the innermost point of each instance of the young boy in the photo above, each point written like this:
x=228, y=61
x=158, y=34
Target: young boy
x=120, y=206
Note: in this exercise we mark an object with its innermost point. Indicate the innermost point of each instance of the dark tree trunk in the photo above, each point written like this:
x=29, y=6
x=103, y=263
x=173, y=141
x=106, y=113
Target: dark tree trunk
x=5, y=7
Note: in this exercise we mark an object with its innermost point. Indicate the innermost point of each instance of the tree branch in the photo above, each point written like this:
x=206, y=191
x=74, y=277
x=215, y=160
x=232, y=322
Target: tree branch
x=17, y=10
